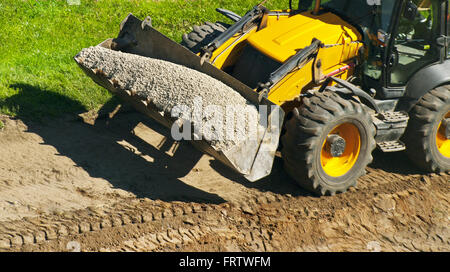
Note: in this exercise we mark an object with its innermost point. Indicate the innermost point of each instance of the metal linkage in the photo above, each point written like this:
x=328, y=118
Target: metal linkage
x=229, y=14
x=295, y=62
x=255, y=14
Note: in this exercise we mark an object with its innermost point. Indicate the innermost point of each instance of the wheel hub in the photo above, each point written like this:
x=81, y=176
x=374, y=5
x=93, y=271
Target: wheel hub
x=336, y=145
x=340, y=150
x=443, y=136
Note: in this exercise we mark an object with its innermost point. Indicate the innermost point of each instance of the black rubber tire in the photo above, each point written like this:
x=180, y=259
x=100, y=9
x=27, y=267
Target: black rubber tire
x=306, y=130
x=420, y=135
x=202, y=35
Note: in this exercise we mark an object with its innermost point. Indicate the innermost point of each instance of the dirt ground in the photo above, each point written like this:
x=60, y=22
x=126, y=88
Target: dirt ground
x=120, y=184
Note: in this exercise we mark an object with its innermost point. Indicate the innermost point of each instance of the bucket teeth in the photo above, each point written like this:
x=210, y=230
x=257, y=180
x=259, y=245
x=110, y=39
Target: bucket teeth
x=99, y=72
x=131, y=92
x=79, y=60
x=146, y=101
x=114, y=82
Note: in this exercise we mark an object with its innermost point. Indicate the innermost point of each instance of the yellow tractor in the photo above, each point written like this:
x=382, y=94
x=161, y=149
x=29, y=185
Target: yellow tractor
x=341, y=78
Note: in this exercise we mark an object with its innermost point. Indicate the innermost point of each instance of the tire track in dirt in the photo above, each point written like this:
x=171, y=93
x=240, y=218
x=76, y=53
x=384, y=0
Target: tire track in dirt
x=386, y=221
x=386, y=217
x=393, y=208
x=31, y=231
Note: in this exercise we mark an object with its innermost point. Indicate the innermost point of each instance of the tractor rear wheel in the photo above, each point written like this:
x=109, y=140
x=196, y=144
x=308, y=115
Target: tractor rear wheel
x=328, y=143
x=427, y=137
x=202, y=35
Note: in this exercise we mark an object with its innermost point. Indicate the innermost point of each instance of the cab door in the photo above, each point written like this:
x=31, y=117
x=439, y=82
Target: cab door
x=414, y=44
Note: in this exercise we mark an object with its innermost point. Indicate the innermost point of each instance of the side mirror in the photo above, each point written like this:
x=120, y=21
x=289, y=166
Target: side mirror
x=411, y=10
x=443, y=41
x=382, y=36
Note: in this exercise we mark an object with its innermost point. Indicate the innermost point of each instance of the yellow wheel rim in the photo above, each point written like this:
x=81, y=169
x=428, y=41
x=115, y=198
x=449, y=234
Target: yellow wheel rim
x=339, y=166
x=443, y=144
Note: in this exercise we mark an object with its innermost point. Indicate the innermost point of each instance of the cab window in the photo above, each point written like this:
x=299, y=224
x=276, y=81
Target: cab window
x=414, y=41
x=373, y=66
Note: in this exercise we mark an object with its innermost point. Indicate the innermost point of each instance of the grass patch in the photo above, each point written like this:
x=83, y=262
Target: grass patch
x=38, y=76
x=2, y=125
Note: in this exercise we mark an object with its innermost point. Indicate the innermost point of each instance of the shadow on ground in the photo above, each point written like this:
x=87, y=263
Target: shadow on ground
x=33, y=102
x=397, y=163
x=277, y=182
x=99, y=150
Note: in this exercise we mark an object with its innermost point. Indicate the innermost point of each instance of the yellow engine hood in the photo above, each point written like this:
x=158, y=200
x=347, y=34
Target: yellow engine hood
x=282, y=38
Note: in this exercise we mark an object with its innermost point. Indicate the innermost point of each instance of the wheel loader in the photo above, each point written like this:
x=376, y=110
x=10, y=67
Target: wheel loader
x=340, y=78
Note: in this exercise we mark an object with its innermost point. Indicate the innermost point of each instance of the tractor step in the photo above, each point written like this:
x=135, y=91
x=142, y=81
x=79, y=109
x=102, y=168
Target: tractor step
x=394, y=117
x=391, y=146
x=390, y=128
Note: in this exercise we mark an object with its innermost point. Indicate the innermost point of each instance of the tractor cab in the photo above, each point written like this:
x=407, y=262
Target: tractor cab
x=409, y=37
x=401, y=38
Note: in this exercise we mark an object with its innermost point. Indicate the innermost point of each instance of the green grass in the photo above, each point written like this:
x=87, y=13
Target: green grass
x=38, y=76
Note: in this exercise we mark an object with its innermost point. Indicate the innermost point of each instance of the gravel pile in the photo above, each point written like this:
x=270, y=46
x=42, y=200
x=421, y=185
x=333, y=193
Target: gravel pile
x=169, y=86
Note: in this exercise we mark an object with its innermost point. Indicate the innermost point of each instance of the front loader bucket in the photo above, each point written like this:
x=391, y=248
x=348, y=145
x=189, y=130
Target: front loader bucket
x=253, y=158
